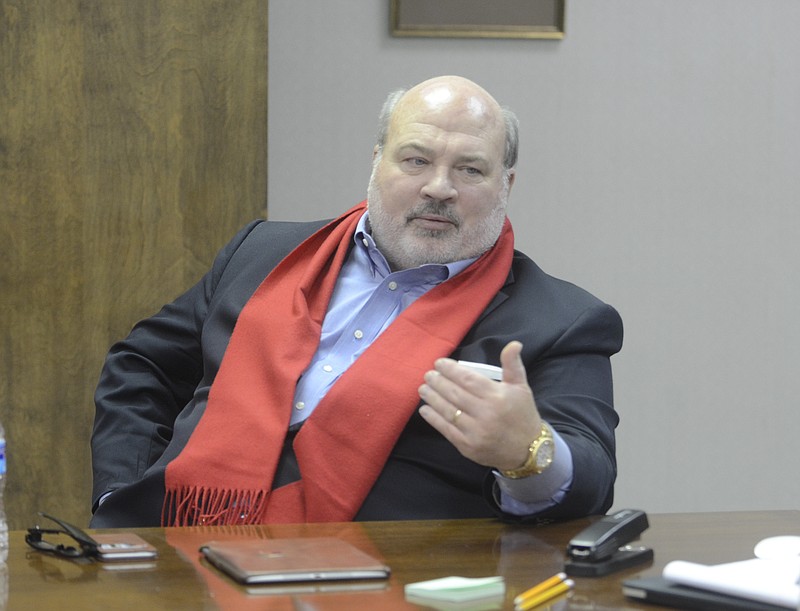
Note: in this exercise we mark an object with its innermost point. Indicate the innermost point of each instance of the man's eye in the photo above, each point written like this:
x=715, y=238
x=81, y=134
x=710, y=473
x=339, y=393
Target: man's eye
x=472, y=171
x=415, y=162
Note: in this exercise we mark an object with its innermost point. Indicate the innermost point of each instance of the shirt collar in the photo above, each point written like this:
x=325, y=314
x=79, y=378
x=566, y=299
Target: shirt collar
x=366, y=244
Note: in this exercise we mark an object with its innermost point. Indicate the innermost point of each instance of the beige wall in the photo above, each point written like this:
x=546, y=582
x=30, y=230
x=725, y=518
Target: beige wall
x=659, y=169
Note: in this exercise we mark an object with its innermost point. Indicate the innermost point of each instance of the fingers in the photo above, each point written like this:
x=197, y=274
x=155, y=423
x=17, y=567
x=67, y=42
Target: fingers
x=450, y=421
x=444, y=397
x=451, y=386
x=513, y=367
x=489, y=422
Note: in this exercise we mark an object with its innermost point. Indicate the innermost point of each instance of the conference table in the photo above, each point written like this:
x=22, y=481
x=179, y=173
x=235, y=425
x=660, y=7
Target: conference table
x=414, y=550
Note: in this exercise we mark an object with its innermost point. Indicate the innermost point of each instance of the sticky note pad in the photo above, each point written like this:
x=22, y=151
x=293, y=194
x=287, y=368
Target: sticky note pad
x=457, y=589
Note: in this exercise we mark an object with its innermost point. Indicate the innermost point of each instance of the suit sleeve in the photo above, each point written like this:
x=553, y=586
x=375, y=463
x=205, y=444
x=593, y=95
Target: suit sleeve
x=147, y=379
x=572, y=386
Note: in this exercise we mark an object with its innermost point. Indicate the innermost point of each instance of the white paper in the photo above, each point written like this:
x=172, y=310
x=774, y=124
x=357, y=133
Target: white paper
x=772, y=581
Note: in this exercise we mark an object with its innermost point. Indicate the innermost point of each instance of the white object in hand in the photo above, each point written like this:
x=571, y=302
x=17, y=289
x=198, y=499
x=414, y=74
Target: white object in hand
x=490, y=371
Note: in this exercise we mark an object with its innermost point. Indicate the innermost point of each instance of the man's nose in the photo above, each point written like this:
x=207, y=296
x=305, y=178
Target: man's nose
x=439, y=185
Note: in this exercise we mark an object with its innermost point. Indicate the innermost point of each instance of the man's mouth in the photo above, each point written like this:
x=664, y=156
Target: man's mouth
x=433, y=225
x=433, y=219
x=429, y=219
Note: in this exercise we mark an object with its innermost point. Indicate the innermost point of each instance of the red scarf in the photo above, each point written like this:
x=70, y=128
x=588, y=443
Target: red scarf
x=224, y=474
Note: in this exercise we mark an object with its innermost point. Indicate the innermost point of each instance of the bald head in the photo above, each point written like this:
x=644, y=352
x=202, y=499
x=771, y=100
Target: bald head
x=451, y=94
x=459, y=98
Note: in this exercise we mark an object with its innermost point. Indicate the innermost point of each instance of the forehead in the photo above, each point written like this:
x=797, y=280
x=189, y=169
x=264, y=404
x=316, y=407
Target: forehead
x=440, y=114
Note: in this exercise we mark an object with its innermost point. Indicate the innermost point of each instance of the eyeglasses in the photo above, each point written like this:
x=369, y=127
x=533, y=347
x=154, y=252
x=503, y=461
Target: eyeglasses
x=87, y=547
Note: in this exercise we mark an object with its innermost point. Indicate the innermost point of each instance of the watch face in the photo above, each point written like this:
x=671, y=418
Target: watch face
x=544, y=455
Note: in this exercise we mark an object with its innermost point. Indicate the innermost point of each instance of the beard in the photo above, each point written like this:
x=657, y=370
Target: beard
x=406, y=246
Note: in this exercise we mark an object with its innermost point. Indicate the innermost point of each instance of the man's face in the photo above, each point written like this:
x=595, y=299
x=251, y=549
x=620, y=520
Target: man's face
x=438, y=190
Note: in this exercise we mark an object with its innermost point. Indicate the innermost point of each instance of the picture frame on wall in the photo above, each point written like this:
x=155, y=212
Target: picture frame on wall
x=479, y=18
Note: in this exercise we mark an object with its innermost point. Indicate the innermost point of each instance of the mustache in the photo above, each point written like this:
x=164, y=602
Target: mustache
x=434, y=208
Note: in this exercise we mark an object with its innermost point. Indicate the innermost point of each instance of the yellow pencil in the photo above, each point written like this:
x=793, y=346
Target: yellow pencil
x=554, y=592
x=540, y=587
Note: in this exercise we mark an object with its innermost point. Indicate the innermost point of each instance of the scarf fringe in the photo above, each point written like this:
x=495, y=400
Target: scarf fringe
x=202, y=506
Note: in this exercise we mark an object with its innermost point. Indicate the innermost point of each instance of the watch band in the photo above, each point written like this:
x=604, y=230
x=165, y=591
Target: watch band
x=540, y=456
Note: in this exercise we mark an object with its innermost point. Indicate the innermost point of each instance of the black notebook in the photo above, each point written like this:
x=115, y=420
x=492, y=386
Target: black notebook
x=659, y=591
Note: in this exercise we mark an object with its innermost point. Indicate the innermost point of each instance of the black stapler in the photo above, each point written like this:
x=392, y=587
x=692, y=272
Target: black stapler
x=603, y=548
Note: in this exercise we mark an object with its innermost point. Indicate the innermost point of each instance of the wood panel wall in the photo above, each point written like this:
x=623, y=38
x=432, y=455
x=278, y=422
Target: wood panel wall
x=133, y=142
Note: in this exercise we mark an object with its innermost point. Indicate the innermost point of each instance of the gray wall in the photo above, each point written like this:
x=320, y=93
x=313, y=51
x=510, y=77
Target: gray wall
x=659, y=168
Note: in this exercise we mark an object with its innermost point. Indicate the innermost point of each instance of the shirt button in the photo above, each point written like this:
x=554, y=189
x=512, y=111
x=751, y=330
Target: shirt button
x=393, y=286
x=358, y=334
x=299, y=405
x=327, y=368
x=365, y=242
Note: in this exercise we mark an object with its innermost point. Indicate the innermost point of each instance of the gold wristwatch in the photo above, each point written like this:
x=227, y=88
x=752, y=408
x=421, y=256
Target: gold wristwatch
x=540, y=456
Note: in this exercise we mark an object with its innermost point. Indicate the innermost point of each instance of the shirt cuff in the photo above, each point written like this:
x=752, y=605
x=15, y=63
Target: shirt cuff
x=103, y=497
x=536, y=493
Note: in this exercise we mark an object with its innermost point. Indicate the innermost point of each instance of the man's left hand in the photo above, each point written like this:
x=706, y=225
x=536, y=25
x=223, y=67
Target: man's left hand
x=491, y=423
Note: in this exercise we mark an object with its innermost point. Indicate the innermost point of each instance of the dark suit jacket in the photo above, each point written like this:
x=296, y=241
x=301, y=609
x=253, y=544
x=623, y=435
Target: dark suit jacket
x=154, y=386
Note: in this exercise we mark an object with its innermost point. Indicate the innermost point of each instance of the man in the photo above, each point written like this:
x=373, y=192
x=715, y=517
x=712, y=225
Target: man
x=313, y=374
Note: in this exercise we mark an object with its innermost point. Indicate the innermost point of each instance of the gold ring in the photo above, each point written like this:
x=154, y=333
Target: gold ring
x=456, y=414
